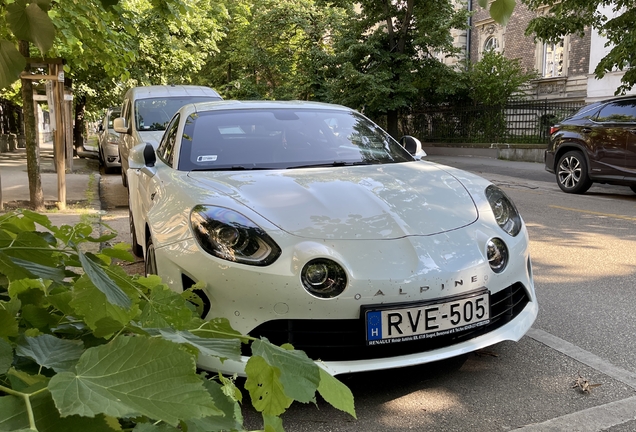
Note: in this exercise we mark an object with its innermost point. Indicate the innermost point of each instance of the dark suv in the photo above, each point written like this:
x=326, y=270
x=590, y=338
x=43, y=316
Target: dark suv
x=595, y=145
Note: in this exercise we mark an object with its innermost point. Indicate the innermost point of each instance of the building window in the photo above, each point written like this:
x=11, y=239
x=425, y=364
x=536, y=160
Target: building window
x=553, y=59
x=491, y=44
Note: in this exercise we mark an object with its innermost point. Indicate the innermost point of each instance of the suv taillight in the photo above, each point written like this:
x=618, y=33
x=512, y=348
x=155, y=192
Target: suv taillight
x=554, y=129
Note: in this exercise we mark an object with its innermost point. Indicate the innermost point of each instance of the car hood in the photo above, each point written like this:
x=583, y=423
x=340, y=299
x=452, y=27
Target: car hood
x=152, y=137
x=359, y=202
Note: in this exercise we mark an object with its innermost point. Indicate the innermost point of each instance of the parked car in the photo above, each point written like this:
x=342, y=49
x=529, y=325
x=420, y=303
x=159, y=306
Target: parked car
x=309, y=224
x=595, y=145
x=109, y=141
x=147, y=110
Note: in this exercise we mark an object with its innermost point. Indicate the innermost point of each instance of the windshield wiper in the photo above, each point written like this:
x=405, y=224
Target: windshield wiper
x=330, y=164
x=233, y=168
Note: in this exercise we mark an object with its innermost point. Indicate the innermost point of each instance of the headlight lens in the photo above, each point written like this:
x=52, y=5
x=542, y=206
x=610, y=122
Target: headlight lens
x=497, y=254
x=504, y=210
x=323, y=278
x=231, y=236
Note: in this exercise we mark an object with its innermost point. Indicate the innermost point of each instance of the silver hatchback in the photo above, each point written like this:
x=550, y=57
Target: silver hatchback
x=109, y=142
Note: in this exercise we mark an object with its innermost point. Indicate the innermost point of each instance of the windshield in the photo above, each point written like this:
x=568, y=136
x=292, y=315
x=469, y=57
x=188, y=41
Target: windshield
x=284, y=138
x=154, y=114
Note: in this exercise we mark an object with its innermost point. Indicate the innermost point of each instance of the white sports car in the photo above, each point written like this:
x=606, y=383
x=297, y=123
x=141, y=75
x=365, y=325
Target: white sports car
x=309, y=224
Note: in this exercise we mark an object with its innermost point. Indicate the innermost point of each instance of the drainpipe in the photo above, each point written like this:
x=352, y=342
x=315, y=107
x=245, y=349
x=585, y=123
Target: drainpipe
x=470, y=28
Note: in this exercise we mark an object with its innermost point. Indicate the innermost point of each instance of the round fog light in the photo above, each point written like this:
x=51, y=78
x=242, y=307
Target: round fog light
x=323, y=278
x=497, y=254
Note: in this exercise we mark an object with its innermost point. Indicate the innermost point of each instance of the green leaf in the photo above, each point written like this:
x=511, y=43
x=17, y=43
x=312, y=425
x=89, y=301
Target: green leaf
x=336, y=393
x=222, y=348
x=6, y=356
x=102, y=282
x=21, y=380
x=40, y=271
x=48, y=351
x=230, y=421
x=266, y=390
x=299, y=375
x=165, y=308
x=273, y=423
x=132, y=376
x=38, y=218
x=11, y=270
x=39, y=317
x=92, y=305
x=11, y=63
x=14, y=416
x=149, y=427
x=115, y=252
x=483, y=3
x=8, y=324
x=501, y=10
x=19, y=286
x=31, y=24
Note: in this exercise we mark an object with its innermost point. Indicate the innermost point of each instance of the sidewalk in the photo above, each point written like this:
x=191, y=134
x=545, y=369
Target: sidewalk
x=82, y=185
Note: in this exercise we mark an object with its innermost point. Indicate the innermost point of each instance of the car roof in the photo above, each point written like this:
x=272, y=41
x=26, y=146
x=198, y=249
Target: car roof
x=260, y=104
x=145, y=92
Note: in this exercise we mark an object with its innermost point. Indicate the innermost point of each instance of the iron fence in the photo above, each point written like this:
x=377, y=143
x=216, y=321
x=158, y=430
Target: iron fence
x=522, y=122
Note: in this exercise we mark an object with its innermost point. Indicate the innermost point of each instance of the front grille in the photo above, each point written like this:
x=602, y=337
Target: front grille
x=345, y=339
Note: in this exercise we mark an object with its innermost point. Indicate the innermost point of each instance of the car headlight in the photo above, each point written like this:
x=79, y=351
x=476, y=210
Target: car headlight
x=231, y=236
x=497, y=254
x=504, y=210
x=323, y=278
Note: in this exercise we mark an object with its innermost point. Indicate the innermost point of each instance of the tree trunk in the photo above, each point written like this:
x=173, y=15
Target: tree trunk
x=79, y=127
x=32, y=150
x=392, y=123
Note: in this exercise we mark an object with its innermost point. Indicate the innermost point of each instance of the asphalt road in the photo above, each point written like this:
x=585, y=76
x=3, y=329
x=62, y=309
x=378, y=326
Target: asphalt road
x=584, y=260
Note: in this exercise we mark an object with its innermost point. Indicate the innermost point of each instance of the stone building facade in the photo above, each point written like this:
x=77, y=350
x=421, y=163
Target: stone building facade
x=563, y=67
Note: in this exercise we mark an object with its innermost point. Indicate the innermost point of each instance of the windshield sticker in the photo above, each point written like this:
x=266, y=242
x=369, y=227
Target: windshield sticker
x=206, y=158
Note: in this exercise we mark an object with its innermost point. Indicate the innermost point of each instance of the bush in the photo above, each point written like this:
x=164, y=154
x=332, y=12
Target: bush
x=84, y=346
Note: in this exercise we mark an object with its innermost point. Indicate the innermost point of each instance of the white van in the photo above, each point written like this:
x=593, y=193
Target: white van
x=146, y=111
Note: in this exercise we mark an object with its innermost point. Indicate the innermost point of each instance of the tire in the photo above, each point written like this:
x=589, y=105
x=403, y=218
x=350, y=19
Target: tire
x=571, y=173
x=124, y=179
x=137, y=250
x=633, y=188
x=150, y=262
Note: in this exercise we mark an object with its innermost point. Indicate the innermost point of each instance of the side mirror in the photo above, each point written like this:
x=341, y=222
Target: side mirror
x=119, y=124
x=413, y=146
x=142, y=156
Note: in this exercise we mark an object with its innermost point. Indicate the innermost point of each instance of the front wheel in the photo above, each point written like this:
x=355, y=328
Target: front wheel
x=150, y=261
x=571, y=173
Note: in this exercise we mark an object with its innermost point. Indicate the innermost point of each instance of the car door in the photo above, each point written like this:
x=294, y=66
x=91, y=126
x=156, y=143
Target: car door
x=615, y=121
x=147, y=183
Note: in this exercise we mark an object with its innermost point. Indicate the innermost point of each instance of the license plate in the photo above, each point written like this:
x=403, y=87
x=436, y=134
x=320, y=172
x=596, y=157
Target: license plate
x=411, y=322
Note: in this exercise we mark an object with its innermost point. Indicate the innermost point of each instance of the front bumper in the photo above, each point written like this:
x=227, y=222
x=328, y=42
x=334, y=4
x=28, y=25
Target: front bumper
x=396, y=271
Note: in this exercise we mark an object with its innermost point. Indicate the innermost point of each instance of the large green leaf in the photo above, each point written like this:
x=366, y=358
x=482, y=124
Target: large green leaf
x=48, y=351
x=165, y=308
x=14, y=416
x=8, y=324
x=299, y=375
x=11, y=270
x=501, y=10
x=150, y=427
x=6, y=356
x=31, y=23
x=232, y=420
x=266, y=390
x=105, y=284
x=336, y=393
x=11, y=63
x=273, y=423
x=92, y=305
x=39, y=270
x=131, y=376
x=222, y=348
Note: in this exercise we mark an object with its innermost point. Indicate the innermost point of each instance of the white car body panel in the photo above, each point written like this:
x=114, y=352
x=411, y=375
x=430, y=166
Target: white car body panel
x=417, y=239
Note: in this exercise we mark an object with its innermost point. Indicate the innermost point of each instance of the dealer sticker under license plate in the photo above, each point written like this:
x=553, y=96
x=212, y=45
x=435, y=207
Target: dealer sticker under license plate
x=426, y=321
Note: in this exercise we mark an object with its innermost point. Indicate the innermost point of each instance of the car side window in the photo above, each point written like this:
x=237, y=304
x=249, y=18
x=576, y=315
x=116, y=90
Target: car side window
x=125, y=111
x=618, y=112
x=166, y=147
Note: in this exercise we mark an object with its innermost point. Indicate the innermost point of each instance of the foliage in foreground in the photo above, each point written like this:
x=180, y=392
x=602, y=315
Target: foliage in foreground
x=84, y=346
